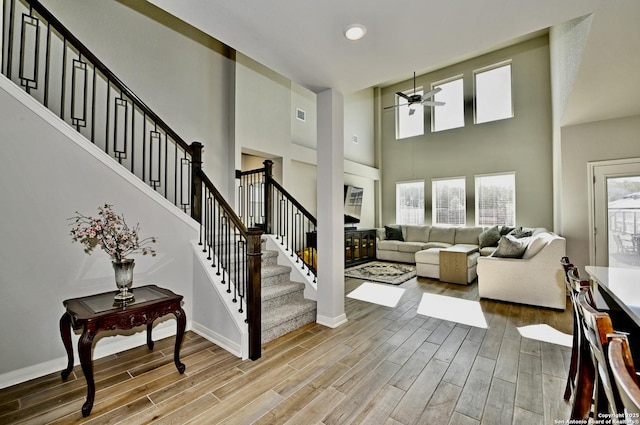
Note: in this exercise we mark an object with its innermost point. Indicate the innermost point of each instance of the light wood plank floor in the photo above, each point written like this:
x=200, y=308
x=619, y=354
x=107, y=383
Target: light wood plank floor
x=384, y=366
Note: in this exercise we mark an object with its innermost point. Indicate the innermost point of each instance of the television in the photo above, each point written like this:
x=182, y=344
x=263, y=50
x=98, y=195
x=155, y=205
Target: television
x=352, y=204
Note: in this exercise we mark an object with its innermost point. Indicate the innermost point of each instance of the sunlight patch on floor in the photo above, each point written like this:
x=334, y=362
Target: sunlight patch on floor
x=545, y=333
x=453, y=309
x=381, y=294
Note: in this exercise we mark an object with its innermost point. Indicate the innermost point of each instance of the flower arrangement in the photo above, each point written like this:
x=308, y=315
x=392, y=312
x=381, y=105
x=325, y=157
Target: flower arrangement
x=111, y=233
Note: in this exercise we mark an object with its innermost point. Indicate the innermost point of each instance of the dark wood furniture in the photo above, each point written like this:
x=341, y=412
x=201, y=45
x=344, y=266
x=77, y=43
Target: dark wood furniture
x=100, y=312
x=618, y=293
x=359, y=246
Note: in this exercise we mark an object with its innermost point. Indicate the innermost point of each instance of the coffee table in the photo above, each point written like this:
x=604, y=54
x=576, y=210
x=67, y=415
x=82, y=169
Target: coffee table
x=453, y=263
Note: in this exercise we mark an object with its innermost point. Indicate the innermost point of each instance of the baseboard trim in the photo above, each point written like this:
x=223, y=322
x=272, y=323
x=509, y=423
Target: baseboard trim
x=120, y=344
x=332, y=322
x=219, y=340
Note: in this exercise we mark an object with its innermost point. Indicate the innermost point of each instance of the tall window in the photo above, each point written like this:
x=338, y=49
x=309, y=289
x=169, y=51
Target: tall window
x=496, y=199
x=409, y=119
x=410, y=202
x=493, y=93
x=449, y=202
x=451, y=115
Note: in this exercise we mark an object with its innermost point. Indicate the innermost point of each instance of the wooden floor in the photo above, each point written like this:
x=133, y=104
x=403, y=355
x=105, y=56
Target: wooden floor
x=384, y=366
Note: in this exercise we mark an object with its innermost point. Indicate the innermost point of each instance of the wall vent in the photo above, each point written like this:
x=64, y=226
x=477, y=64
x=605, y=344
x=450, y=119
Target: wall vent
x=301, y=115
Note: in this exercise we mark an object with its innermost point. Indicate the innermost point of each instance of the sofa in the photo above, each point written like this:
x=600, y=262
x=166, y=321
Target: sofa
x=535, y=277
x=421, y=245
x=520, y=265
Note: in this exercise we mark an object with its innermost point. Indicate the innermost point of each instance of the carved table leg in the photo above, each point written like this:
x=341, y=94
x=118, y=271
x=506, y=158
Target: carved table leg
x=181, y=318
x=65, y=333
x=149, y=339
x=84, y=351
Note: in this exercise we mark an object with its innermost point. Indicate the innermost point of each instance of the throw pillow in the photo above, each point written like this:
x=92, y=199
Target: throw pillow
x=489, y=237
x=505, y=230
x=393, y=233
x=510, y=247
x=519, y=233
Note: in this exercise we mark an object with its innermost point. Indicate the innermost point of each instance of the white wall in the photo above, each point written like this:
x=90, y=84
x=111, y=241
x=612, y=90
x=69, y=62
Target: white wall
x=596, y=141
x=566, y=48
x=44, y=178
x=358, y=121
x=183, y=75
x=266, y=127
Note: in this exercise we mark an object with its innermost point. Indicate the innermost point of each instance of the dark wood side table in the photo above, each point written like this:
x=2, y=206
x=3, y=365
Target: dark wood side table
x=100, y=312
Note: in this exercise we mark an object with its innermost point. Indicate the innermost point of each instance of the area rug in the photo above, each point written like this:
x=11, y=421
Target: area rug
x=376, y=293
x=380, y=271
x=452, y=309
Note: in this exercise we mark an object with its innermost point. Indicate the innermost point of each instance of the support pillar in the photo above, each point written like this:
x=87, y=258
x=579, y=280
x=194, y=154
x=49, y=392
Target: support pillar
x=330, y=189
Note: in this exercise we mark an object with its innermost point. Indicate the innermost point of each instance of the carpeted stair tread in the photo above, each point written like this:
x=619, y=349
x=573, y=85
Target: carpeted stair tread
x=269, y=271
x=287, y=318
x=281, y=289
x=269, y=254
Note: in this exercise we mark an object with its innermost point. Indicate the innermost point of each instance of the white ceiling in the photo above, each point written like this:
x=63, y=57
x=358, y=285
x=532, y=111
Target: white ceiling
x=303, y=40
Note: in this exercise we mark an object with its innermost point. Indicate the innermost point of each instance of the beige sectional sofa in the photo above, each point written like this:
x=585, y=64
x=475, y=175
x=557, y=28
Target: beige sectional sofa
x=533, y=275
x=535, y=279
x=422, y=245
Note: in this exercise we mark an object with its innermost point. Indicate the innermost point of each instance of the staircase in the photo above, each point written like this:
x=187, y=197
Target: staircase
x=284, y=307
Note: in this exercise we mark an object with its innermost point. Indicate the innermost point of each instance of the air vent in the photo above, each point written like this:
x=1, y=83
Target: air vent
x=301, y=115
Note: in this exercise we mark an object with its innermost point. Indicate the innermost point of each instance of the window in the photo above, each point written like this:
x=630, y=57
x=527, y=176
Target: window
x=496, y=199
x=451, y=115
x=410, y=202
x=493, y=93
x=449, y=202
x=409, y=119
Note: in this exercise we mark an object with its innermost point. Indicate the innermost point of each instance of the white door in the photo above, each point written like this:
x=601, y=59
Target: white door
x=615, y=216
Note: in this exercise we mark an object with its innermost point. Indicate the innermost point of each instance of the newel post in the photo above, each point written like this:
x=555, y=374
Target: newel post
x=254, y=296
x=196, y=181
x=268, y=200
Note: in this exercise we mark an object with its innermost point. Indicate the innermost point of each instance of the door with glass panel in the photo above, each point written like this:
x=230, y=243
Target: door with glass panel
x=616, y=213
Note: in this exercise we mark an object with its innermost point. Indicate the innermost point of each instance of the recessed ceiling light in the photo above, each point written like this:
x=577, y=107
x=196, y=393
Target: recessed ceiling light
x=355, y=32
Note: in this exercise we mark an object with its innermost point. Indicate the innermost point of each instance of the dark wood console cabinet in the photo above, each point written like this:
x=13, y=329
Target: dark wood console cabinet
x=359, y=246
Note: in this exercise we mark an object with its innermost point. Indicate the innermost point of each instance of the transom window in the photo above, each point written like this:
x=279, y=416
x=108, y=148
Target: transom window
x=410, y=202
x=496, y=199
x=449, y=201
x=409, y=119
x=493, y=100
x=451, y=115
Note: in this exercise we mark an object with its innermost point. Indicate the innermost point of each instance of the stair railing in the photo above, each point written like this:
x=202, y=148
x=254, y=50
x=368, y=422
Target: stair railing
x=235, y=253
x=264, y=203
x=53, y=66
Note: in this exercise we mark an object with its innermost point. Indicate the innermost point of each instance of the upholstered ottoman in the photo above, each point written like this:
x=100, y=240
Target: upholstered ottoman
x=428, y=263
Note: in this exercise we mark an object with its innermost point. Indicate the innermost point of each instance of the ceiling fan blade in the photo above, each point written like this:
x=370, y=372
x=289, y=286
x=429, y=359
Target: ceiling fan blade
x=432, y=103
x=432, y=93
x=399, y=93
x=395, y=106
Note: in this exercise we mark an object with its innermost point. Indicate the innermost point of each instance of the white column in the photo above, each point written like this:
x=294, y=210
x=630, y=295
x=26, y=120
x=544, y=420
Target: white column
x=330, y=189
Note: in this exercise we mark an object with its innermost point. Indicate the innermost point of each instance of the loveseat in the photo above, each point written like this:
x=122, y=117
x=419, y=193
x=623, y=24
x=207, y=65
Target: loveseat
x=534, y=276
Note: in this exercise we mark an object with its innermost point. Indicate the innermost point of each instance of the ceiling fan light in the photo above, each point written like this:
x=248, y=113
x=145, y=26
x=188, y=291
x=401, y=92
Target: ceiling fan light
x=355, y=32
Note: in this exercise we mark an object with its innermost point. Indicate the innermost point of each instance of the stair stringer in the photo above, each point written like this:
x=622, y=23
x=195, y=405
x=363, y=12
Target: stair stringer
x=215, y=315
x=298, y=268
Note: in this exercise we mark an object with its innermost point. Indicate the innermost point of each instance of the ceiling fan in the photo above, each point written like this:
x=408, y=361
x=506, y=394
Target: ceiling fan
x=416, y=99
